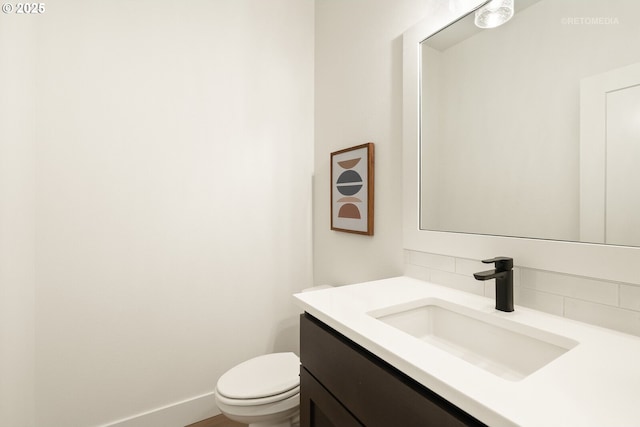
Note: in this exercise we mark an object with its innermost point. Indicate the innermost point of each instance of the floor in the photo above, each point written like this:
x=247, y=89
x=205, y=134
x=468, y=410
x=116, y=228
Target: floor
x=217, y=421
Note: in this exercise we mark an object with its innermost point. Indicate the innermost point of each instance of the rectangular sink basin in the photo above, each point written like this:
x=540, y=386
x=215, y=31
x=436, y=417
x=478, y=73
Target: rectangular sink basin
x=503, y=347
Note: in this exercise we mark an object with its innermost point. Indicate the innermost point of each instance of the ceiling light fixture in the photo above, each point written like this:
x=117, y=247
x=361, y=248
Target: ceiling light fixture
x=494, y=13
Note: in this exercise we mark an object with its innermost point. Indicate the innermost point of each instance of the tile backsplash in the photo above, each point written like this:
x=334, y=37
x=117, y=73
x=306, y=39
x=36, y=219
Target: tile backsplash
x=613, y=305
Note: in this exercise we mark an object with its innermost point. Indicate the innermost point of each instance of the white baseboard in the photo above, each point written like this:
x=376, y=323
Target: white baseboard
x=178, y=414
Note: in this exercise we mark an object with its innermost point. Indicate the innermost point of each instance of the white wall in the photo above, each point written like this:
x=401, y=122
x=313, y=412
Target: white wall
x=17, y=273
x=169, y=187
x=358, y=91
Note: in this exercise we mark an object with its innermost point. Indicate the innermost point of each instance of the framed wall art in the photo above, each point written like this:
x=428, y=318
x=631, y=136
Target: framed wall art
x=352, y=189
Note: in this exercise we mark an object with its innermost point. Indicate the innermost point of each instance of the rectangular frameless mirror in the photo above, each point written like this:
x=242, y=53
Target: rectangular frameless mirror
x=532, y=129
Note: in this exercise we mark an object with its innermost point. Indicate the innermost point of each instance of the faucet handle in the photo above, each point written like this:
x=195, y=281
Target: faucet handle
x=502, y=262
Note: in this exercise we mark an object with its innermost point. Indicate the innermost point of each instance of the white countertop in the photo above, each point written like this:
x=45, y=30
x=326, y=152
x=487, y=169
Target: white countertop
x=596, y=383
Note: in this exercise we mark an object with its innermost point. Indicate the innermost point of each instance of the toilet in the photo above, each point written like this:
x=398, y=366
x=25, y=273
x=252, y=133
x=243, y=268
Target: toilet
x=262, y=392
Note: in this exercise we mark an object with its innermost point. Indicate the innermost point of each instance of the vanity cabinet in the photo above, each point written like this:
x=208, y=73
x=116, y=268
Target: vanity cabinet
x=343, y=385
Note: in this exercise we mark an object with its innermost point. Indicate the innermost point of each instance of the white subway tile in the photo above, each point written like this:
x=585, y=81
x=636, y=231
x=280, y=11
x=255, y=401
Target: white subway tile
x=630, y=297
x=570, y=286
x=490, y=289
x=417, y=272
x=468, y=266
x=457, y=281
x=433, y=261
x=517, y=274
x=542, y=301
x=603, y=315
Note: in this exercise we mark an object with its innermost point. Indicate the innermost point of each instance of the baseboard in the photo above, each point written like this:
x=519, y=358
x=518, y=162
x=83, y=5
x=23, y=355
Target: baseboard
x=177, y=414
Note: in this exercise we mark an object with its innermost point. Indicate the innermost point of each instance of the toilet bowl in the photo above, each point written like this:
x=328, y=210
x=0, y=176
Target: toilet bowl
x=262, y=392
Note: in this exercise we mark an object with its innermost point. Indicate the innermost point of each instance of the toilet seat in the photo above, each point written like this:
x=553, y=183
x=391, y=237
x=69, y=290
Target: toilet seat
x=259, y=401
x=261, y=380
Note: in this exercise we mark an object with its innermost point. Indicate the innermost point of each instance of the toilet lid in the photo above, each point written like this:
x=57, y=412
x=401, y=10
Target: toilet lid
x=262, y=376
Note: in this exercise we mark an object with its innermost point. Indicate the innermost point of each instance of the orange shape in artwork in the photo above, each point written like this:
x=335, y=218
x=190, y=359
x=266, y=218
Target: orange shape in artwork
x=349, y=210
x=348, y=164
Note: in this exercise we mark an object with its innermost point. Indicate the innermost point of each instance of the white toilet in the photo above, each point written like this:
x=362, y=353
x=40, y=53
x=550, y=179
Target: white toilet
x=262, y=392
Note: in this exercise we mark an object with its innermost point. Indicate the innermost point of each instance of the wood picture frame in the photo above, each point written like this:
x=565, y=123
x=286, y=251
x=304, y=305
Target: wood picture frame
x=352, y=189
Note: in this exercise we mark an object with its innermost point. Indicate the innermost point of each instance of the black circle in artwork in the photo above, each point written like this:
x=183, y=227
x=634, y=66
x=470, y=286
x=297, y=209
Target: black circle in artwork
x=349, y=177
x=349, y=183
x=349, y=190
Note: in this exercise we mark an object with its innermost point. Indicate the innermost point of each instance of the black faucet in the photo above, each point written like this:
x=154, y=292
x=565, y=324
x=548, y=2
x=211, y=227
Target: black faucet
x=503, y=274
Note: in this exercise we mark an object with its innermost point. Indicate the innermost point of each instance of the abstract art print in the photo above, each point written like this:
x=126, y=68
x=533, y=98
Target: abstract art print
x=352, y=189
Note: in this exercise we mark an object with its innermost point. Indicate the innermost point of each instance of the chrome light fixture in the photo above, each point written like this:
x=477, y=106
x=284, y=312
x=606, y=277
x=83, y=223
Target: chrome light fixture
x=494, y=13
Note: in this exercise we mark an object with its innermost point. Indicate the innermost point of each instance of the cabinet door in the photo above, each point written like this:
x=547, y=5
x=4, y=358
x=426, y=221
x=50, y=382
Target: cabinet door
x=318, y=408
x=375, y=393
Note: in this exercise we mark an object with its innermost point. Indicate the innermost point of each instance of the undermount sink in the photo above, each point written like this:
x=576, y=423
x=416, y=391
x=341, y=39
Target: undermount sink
x=503, y=347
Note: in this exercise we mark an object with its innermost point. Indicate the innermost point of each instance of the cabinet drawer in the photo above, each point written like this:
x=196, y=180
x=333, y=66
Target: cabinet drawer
x=377, y=394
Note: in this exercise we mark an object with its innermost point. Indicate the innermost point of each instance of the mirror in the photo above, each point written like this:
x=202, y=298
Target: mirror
x=532, y=129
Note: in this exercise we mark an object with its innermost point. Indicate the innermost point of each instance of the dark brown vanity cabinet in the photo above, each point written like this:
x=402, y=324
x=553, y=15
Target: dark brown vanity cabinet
x=344, y=385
